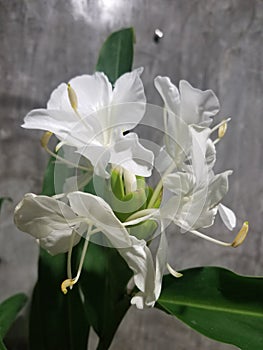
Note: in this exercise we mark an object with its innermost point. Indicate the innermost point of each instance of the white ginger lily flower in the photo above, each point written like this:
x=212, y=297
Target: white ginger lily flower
x=59, y=227
x=91, y=115
x=199, y=191
x=182, y=108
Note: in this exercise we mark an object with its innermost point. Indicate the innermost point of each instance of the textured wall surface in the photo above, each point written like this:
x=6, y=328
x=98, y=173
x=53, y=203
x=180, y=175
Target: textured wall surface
x=213, y=44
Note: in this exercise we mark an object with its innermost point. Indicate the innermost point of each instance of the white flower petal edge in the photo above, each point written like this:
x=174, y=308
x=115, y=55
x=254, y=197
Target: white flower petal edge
x=48, y=220
x=228, y=216
x=89, y=114
x=58, y=227
x=192, y=105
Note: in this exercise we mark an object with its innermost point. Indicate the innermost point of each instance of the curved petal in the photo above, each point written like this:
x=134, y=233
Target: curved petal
x=59, y=241
x=65, y=125
x=228, y=216
x=59, y=99
x=128, y=101
x=93, y=92
x=40, y=215
x=100, y=214
x=169, y=94
x=99, y=157
x=48, y=220
x=218, y=187
x=139, y=259
x=197, y=106
x=128, y=153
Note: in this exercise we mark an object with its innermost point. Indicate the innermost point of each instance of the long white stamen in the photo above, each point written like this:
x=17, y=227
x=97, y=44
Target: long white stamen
x=225, y=121
x=69, y=271
x=44, y=143
x=145, y=213
x=69, y=283
x=239, y=239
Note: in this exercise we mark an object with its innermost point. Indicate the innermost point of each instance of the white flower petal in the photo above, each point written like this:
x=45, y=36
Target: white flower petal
x=128, y=153
x=139, y=259
x=99, y=157
x=218, y=187
x=128, y=102
x=198, y=152
x=48, y=220
x=59, y=241
x=160, y=264
x=169, y=93
x=228, y=216
x=93, y=92
x=100, y=214
x=197, y=106
x=59, y=99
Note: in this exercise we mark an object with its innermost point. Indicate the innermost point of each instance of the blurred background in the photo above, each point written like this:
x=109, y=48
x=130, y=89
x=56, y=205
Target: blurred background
x=212, y=44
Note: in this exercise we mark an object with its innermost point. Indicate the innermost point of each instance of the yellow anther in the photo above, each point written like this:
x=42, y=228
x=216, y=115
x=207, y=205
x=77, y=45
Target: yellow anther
x=222, y=130
x=45, y=139
x=67, y=284
x=240, y=237
x=72, y=97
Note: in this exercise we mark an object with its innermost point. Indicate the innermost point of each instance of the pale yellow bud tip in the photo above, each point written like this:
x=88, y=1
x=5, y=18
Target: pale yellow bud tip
x=66, y=284
x=222, y=130
x=45, y=139
x=72, y=97
x=173, y=272
x=240, y=237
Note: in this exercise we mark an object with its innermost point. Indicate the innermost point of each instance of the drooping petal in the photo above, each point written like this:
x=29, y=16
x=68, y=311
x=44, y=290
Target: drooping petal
x=228, y=216
x=48, y=220
x=139, y=259
x=218, y=187
x=100, y=214
x=197, y=106
x=128, y=153
x=160, y=263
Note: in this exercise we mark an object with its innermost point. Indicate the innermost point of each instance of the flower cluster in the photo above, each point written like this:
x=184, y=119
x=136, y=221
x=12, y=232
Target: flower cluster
x=93, y=119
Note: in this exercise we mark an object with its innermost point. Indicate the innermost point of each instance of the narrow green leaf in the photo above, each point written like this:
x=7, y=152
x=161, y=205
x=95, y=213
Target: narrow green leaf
x=217, y=303
x=103, y=282
x=116, y=54
x=57, y=321
x=2, y=346
x=9, y=310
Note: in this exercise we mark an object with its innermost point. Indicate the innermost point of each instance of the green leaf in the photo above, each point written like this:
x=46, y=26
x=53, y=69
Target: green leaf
x=103, y=282
x=9, y=310
x=217, y=303
x=2, y=346
x=116, y=54
x=57, y=321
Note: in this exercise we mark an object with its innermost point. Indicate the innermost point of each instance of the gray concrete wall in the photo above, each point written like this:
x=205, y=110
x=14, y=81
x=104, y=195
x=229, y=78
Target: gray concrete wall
x=213, y=44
